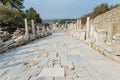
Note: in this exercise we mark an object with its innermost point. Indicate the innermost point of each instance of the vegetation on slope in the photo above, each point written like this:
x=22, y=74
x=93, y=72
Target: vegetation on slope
x=100, y=9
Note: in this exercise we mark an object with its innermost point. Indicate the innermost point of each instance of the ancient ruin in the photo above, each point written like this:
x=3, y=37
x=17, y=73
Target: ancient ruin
x=71, y=49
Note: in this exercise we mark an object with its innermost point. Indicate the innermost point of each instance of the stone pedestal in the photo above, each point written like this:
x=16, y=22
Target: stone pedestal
x=110, y=33
x=92, y=30
x=100, y=37
x=82, y=35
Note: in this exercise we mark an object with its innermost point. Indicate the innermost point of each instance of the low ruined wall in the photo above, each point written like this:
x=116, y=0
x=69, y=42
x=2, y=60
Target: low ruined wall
x=13, y=43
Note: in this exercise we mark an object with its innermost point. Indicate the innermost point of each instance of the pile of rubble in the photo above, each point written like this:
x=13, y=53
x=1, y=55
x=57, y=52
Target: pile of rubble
x=19, y=32
x=4, y=35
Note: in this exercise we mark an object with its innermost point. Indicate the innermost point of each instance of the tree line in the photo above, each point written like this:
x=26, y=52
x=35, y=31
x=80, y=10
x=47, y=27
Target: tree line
x=63, y=21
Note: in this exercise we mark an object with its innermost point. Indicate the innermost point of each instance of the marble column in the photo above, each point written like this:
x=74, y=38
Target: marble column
x=110, y=32
x=33, y=27
x=26, y=27
x=79, y=24
x=88, y=28
x=76, y=25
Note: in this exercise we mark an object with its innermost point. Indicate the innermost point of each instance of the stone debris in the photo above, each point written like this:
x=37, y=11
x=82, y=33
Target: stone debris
x=4, y=35
x=52, y=72
x=20, y=37
x=18, y=33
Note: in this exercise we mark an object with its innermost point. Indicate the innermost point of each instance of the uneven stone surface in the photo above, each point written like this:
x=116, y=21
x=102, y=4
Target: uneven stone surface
x=69, y=59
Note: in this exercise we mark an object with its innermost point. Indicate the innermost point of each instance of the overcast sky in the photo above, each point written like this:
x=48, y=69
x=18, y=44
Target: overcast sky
x=50, y=9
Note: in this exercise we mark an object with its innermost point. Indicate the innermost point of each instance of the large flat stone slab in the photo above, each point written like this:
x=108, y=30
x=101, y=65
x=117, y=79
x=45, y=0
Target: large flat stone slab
x=45, y=78
x=52, y=72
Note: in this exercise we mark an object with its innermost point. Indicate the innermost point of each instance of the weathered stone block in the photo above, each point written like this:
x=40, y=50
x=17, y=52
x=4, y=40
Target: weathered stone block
x=52, y=72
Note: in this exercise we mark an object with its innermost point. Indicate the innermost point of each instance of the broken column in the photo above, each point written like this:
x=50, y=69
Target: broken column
x=78, y=29
x=65, y=26
x=32, y=37
x=33, y=27
x=79, y=24
x=38, y=31
x=82, y=35
x=76, y=25
x=26, y=29
x=110, y=33
x=92, y=30
x=74, y=32
x=88, y=28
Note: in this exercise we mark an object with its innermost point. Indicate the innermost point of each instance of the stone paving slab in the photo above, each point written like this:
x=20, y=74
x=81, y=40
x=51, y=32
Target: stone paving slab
x=52, y=72
x=57, y=57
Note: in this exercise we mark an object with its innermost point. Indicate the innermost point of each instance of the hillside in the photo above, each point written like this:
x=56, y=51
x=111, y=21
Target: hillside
x=103, y=20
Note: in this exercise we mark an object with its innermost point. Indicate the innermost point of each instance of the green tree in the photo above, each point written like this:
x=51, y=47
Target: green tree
x=62, y=21
x=102, y=8
x=31, y=14
x=10, y=17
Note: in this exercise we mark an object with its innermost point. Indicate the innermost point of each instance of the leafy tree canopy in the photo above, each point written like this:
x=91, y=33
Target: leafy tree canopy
x=10, y=17
x=31, y=14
